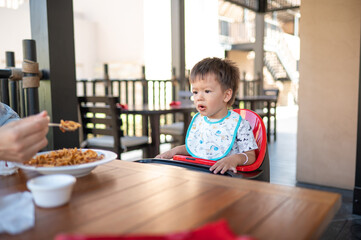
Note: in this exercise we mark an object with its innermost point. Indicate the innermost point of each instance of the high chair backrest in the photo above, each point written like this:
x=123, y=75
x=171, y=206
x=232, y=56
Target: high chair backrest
x=260, y=135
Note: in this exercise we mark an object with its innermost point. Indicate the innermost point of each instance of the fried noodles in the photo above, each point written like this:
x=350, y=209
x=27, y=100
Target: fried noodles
x=69, y=125
x=64, y=157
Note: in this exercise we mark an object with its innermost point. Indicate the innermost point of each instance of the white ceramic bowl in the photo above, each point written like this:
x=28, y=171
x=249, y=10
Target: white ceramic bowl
x=51, y=190
x=75, y=170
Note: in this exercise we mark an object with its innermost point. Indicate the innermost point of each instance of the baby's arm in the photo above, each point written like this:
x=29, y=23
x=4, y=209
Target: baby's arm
x=231, y=162
x=180, y=150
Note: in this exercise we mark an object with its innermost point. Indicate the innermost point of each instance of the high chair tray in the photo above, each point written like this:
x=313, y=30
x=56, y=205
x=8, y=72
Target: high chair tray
x=196, y=160
x=184, y=158
x=199, y=167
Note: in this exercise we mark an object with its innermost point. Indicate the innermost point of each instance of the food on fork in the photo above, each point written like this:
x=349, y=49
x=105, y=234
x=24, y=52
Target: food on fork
x=64, y=157
x=68, y=125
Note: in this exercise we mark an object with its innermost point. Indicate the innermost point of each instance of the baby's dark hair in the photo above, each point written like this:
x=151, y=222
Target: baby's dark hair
x=226, y=72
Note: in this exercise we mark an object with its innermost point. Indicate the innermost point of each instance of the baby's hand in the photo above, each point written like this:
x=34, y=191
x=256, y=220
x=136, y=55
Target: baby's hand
x=166, y=155
x=170, y=153
x=225, y=164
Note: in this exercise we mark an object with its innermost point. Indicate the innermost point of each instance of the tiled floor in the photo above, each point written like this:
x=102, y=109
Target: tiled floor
x=283, y=151
x=345, y=225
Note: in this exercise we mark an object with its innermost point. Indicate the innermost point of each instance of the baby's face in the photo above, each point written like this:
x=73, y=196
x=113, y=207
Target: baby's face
x=209, y=97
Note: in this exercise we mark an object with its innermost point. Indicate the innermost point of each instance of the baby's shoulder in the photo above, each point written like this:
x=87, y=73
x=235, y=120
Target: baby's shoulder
x=244, y=126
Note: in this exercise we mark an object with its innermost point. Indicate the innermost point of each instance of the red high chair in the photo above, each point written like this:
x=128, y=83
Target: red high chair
x=259, y=170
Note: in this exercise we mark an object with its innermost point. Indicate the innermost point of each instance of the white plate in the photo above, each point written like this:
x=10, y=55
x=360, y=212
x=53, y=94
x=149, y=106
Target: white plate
x=75, y=170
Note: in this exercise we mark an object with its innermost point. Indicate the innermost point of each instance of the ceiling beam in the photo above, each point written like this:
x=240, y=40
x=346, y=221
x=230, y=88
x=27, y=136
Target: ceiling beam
x=261, y=6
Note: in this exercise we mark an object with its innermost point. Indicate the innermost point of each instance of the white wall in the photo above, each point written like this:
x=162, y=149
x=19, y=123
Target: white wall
x=14, y=27
x=201, y=35
x=125, y=34
x=129, y=34
x=157, y=39
x=107, y=31
x=201, y=24
x=85, y=48
x=114, y=31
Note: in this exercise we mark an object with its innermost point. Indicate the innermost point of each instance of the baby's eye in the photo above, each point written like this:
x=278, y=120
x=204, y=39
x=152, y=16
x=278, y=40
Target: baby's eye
x=208, y=91
x=195, y=92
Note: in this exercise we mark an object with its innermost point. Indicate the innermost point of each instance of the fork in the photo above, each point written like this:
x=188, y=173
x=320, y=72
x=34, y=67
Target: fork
x=60, y=126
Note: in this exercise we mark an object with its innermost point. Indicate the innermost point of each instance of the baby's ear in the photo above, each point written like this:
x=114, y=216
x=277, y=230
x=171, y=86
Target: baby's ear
x=227, y=95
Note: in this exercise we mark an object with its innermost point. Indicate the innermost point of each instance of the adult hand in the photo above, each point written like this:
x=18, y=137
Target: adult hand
x=21, y=140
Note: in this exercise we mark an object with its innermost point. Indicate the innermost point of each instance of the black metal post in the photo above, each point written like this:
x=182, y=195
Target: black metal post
x=145, y=86
x=5, y=84
x=94, y=85
x=120, y=91
x=174, y=85
x=262, y=6
x=106, y=80
x=84, y=81
x=357, y=188
x=10, y=59
x=14, y=89
x=32, y=94
x=145, y=121
x=5, y=73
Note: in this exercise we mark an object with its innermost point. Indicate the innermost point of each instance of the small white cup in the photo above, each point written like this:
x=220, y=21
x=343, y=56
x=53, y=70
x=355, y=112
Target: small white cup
x=7, y=168
x=51, y=190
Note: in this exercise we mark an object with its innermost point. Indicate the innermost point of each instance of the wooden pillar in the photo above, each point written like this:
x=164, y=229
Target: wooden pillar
x=53, y=30
x=178, y=41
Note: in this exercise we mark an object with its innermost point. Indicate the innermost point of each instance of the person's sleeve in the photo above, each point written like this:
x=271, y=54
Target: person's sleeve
x=7, y=114
x=245, y=138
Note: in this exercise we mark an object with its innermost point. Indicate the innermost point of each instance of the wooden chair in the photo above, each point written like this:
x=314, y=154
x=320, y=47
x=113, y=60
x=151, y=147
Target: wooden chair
x=101, y=124
x=176, y=128
x=273, y=114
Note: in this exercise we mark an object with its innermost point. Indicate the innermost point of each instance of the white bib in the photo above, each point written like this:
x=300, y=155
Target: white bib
x=212, y=140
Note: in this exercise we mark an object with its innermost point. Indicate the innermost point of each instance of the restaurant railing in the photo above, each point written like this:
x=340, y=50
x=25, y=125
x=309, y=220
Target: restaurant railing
x=132, y=92
x=249, y=87
x=140, y=91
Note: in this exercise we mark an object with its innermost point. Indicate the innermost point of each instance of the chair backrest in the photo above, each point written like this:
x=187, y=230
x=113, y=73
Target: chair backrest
x=100, y=116
x=260, y=134
x=185, y=97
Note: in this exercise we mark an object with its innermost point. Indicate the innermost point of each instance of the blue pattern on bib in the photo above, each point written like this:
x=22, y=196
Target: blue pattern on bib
x=212, y=140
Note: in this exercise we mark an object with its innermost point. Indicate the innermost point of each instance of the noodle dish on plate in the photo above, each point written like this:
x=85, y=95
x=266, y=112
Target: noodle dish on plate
x=73, y=161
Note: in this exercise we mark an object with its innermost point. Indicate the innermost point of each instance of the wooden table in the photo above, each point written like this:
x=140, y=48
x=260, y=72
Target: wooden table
x=134, y=198
x=154, y=114
x=271, y=102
